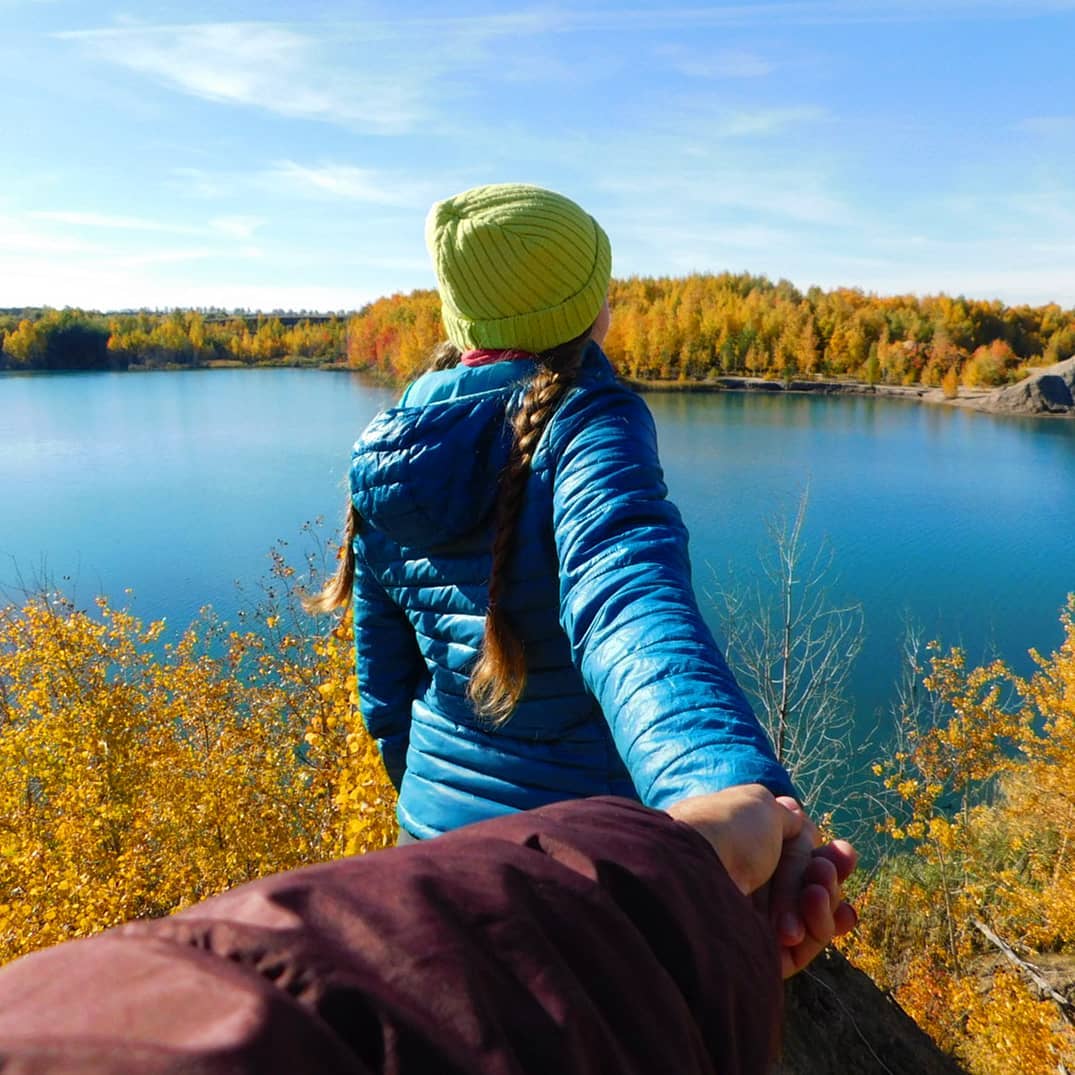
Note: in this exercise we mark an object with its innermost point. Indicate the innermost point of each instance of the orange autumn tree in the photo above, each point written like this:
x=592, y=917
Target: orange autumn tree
x=694, y=328
x=393, y=337
x=984, y=792
x=138, y=775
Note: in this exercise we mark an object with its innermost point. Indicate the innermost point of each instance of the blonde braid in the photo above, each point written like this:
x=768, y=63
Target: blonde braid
x=499, y=675
x=336, y=593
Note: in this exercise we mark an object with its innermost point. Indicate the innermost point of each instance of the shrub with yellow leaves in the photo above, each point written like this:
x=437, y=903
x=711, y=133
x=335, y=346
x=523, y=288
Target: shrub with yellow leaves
x=984, y=795
x=138, y=774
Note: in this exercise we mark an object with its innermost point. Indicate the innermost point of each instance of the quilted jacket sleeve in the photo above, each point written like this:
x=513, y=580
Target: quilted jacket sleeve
x=679, y=720
x=388, y=666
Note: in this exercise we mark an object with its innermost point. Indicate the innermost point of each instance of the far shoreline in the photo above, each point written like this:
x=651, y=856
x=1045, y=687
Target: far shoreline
x=801, y=386
x=981, y=400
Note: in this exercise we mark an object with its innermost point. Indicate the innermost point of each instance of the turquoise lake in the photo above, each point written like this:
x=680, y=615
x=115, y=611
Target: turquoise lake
x=176, y=485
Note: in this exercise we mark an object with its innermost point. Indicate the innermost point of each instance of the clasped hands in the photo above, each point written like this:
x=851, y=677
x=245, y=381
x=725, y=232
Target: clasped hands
x=774, y=854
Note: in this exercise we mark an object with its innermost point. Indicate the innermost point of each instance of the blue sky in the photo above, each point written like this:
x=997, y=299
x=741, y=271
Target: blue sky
x=284, y=154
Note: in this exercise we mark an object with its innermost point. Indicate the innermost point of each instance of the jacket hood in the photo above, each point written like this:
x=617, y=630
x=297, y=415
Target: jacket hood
x=425, y=472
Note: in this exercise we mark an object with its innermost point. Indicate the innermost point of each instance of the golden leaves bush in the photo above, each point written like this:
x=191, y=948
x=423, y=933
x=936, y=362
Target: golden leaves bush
x=138, y=775
x=984, y=792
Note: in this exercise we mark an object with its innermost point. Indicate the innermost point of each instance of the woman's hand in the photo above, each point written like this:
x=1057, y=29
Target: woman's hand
x=771, y=851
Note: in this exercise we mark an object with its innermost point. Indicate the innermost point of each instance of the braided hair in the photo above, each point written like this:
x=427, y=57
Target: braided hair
x=499, y=675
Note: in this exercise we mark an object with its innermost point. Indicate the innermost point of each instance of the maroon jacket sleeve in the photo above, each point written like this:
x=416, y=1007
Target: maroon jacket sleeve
x=584, y=937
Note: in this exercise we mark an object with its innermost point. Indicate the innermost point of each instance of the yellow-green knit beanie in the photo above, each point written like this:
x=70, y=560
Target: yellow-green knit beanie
x=517, y=267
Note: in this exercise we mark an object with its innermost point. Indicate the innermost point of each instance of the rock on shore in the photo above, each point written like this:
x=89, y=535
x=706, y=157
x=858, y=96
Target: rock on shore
x=1050, y=390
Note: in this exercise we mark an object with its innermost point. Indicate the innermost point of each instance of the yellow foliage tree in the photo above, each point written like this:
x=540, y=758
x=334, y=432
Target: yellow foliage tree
x=950, y=383
x=138, y=775
x=985, y=794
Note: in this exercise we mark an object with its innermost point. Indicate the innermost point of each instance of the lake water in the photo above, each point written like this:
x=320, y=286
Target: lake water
x=175, y=485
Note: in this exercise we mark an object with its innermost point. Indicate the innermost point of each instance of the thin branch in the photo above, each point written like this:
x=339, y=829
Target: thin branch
x=1044, y=990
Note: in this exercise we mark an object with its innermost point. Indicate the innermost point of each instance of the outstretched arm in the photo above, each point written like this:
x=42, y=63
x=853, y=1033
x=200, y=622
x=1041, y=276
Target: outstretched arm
x=679, y=720
x=590, y=935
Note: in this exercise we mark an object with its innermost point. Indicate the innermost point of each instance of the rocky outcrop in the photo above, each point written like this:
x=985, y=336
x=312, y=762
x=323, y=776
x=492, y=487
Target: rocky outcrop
x=1050, y=390
x=837, y=1021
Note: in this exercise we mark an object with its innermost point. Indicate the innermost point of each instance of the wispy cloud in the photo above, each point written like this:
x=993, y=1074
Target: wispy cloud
x=235, y=227
x=390, y=76
x=40, y=266
x=22, y=239
x=788, y=196
x=789, y=12
x=722, y=64
x=352, y=183
x=692, y=123
x=177, y=255
x=701, y=246
x=869, y=11
x=163, y=284
x=229, y=227
x=264, y=65
x=209, y=185
x=1055, y=209
x=1017, y=213
x=1048, y=126
x=765, y=121
x=108, y=222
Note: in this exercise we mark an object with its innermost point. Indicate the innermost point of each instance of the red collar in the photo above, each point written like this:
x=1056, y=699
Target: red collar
x=487, y=356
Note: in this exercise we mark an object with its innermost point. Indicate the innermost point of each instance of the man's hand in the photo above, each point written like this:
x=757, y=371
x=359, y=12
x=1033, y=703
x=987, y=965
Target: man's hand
x=770, y=849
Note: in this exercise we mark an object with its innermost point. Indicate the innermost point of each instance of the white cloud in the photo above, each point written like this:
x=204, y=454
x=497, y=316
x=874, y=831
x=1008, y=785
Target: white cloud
x=765, y=121
x=1017, y=213
x=20, y=239
x=107, y=221
x=721, y=64
x=221, y=227
x=264, y=65
x=1048, y=126
x=39, y=266
x=124, y=285
x=235, y=227
x=703, y=247
x=142, y=259
x=692, y=123
x=790, y=12
x=354, y=184
x=1053, y=208
x=790, y=194
x=201, y=183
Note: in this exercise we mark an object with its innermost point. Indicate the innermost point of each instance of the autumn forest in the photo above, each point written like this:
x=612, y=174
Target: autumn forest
x=687, y=330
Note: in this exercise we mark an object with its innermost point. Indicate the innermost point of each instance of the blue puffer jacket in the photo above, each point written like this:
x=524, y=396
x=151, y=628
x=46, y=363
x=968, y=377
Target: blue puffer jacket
x=627, y=693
